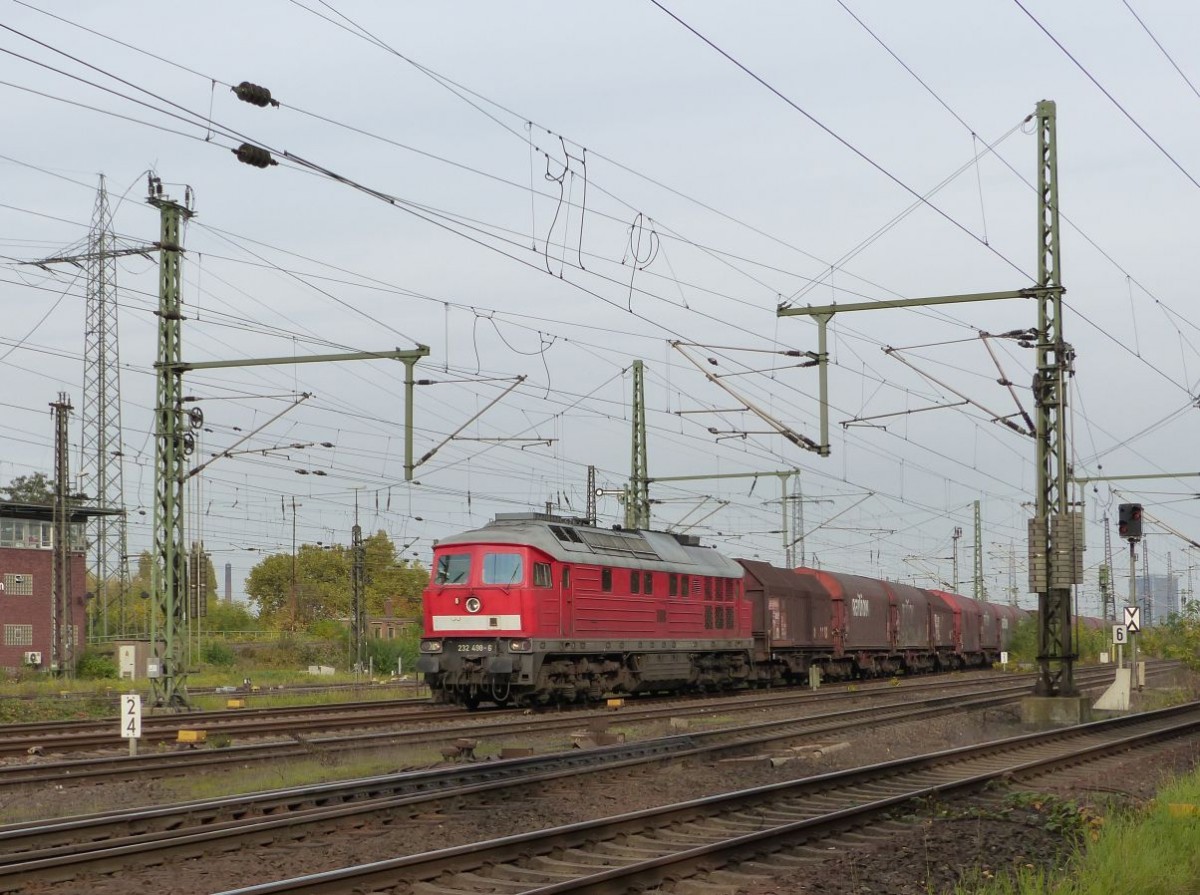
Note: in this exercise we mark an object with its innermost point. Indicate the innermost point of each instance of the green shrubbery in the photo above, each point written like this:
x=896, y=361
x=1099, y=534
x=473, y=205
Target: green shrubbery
x=94, y=665
x=1176, y=638
x=217, y=653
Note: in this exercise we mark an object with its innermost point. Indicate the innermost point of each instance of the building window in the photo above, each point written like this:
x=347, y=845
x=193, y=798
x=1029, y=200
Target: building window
x=647, y=583
x=16, y=585
x=635, y=579
x=541, y=575
x=606, y=579
x=18, y=635
x=28, y=533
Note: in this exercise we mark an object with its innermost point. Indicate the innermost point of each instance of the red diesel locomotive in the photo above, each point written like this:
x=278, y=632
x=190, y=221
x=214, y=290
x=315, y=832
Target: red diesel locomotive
x=532, y=609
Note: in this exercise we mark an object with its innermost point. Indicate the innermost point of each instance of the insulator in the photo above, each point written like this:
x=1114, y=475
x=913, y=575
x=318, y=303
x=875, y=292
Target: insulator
x=189, y=444
x=196, y=417
x=254, y=155
x=254, y=94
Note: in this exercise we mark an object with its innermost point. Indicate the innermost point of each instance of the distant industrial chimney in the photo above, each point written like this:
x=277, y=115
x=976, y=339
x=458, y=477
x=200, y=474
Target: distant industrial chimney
x=228, y=582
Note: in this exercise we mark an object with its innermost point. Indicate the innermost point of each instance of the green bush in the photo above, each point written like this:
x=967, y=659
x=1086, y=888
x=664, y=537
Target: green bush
x=384, y=653
x=93, y=665
x=217, y=653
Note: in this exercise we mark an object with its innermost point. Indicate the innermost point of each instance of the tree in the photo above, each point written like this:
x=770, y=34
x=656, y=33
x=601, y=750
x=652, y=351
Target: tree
x=139, y=604
x=36, y=488
x=229, y=617
x=323, y=583
x=389, y=578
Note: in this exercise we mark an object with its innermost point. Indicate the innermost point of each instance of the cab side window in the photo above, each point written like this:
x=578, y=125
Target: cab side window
x=541, y=575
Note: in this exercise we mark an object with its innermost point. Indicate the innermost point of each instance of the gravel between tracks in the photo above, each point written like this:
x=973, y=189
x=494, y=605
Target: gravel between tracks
x=928, y=857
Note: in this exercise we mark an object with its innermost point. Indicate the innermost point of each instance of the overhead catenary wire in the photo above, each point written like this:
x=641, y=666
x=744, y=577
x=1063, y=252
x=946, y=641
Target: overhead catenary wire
x=532, y=330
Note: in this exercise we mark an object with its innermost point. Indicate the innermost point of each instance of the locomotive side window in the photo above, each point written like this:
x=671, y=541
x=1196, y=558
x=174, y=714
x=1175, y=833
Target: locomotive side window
x=541, y=575
x=683, y=585
x=708, y=618
x=453, y=568
x=566, y=577
x=647, y=583
x=606, y=579
x=635, y=579
x=503, y=568
x=673, y=584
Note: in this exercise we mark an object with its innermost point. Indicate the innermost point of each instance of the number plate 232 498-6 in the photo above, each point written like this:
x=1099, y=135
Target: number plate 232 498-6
x=476, y=647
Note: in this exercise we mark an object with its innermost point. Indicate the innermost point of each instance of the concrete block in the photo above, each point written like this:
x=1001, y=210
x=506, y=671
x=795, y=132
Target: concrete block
x=1116, y=697
x=1041, y=712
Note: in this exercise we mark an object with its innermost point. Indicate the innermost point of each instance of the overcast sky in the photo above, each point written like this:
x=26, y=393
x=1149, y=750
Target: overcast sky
x=570, y=187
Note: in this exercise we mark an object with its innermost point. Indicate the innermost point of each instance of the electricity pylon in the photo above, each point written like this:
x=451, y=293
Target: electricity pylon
x=101, y=415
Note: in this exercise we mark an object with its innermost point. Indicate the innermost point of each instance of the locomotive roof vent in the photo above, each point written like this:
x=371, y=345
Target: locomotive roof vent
x=686, y=540
x=539, y=517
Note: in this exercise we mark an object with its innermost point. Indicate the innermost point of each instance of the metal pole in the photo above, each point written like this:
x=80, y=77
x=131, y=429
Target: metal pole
x=358, y=595
x=1055, y=550
x=954, y=556
x=169, y=574
x=823, y=380
x=637, y=508
x=1133, y=650
x=783, y=510
x=408, y=417
x=295, y=617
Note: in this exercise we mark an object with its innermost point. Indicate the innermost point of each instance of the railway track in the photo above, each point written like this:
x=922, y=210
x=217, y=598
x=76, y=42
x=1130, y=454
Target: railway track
x=163, y=764
x=80, y=736
x=734, y=838
x=75, y=736
x=112, y=841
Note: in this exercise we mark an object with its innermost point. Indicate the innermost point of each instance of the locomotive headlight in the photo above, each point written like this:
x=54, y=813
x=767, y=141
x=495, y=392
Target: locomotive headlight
x=520, y=646
x=431, y=646
x=473, y=604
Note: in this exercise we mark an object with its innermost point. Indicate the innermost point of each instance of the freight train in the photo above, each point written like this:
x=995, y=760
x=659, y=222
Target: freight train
x=534, y=609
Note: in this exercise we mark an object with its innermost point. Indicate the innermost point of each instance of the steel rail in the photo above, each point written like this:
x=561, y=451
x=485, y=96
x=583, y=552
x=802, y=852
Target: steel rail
x=110, y=767
x=20, y=739
x=644, y=848
x=53, y=849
